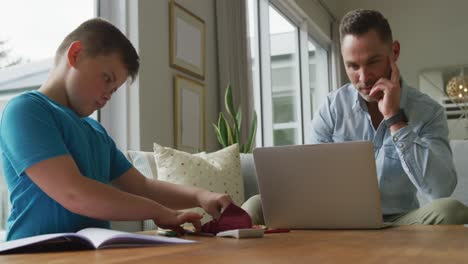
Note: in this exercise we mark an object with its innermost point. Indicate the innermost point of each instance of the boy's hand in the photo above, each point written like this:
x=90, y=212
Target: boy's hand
x=175, y=219
x=213, y=203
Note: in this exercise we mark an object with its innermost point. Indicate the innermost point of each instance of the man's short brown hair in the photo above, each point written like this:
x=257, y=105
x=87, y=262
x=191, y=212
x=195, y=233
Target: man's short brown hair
x=359, y=22
x=99, y=37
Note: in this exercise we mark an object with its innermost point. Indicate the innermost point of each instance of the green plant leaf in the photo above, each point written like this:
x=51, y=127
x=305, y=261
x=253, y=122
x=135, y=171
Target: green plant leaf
x=235, y=135
x=223, y=130
x=228, y=129
x=238, y=124
x=218, y=135
x=253, y=132
x=229, y=102
x=242, y=148
x=239, y=117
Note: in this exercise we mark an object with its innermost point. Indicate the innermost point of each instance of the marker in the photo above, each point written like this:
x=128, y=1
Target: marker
x=278, y=230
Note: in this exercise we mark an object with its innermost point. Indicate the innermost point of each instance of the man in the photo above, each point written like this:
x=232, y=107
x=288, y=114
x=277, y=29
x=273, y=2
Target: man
x=409, y=129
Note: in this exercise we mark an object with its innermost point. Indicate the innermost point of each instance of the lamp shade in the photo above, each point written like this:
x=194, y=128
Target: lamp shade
x=457, y=88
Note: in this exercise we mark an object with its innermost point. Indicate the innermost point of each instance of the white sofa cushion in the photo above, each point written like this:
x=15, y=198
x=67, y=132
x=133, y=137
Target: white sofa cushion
x=144, y=162
x=249, y=175
x=218, y=171
x=460, y=155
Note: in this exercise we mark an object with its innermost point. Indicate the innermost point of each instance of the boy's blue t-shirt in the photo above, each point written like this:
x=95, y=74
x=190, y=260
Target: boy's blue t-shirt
x=33, y=129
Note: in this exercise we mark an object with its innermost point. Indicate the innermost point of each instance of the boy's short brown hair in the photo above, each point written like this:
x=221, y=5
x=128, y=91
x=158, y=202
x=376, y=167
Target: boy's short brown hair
x=100, y=37
x=360, y=21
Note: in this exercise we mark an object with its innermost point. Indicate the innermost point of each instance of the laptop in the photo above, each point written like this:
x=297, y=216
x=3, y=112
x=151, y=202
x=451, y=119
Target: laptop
x=323, y=186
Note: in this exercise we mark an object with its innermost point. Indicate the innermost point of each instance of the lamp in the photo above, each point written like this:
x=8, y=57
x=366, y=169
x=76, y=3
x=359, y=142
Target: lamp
x=457, y=91
x=457, y=88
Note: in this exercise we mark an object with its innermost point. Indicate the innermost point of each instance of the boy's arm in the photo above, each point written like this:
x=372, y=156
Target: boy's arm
x=60, y=179
x=172, y=195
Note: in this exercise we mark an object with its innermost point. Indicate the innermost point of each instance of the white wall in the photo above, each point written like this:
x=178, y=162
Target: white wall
x=334, y=6
x=317, y=14
x=432, y=33
x=156, y=77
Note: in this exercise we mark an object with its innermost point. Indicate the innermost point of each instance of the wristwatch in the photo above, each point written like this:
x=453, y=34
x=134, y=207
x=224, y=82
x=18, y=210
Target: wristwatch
x=398, y=117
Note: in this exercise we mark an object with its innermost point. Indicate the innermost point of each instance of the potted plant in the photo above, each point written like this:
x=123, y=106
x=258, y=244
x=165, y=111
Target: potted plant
x=228, y=131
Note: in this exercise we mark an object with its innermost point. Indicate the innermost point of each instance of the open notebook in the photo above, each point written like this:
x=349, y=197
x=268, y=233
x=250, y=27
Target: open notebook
x=88, y=238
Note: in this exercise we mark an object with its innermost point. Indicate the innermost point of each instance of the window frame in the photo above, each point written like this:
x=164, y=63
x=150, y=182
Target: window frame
x=30, y=69
x=120, y=116
x=307, y=31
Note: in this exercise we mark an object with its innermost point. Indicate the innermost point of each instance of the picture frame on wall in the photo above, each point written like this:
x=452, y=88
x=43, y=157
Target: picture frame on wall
x=187, y=41
x=189, y=112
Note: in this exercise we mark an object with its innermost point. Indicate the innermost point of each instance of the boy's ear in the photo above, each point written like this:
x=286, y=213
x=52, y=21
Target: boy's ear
x=73, y=52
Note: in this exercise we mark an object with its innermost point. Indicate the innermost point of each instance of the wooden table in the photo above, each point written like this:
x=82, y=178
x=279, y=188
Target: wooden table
x=406, y=244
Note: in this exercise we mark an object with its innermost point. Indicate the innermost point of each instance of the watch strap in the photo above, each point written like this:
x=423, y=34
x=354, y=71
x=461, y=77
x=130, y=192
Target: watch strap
x=400, y=116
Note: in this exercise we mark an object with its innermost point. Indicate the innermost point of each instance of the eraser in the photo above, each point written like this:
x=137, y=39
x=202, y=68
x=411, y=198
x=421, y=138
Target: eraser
x=242, y=233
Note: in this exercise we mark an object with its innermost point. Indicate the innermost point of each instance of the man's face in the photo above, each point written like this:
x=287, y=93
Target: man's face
x=92, y=81
x=366, y=60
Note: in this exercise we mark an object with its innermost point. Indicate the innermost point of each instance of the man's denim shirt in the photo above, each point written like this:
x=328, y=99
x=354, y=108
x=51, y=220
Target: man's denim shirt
x=415, y=158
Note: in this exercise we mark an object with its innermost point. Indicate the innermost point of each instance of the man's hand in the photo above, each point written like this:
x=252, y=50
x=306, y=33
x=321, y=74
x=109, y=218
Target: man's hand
x=213, y=203
x=174, y=219
x=387, y=92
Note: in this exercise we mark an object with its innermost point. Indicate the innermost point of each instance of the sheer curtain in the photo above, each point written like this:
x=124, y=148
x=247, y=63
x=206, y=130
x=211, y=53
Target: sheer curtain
x=336, y=62
x=233, y=67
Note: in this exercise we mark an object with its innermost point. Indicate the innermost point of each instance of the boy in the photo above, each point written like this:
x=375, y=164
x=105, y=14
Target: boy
x=58, y=162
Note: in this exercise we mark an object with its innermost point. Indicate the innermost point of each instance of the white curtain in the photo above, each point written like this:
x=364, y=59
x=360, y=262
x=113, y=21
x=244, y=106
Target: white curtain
x=336, y=61
x=233, y=67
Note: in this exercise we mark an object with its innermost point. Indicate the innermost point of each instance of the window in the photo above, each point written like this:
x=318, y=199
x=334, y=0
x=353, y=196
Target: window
x=318, y=75
x=290, y=73
x=285, y=79
x=30, y=32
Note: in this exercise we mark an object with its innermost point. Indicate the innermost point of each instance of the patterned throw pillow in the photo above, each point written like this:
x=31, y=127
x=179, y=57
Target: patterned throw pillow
x=217, y=172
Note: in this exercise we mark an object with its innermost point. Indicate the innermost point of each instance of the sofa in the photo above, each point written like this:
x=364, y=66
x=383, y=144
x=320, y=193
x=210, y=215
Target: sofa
x=144, y=162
